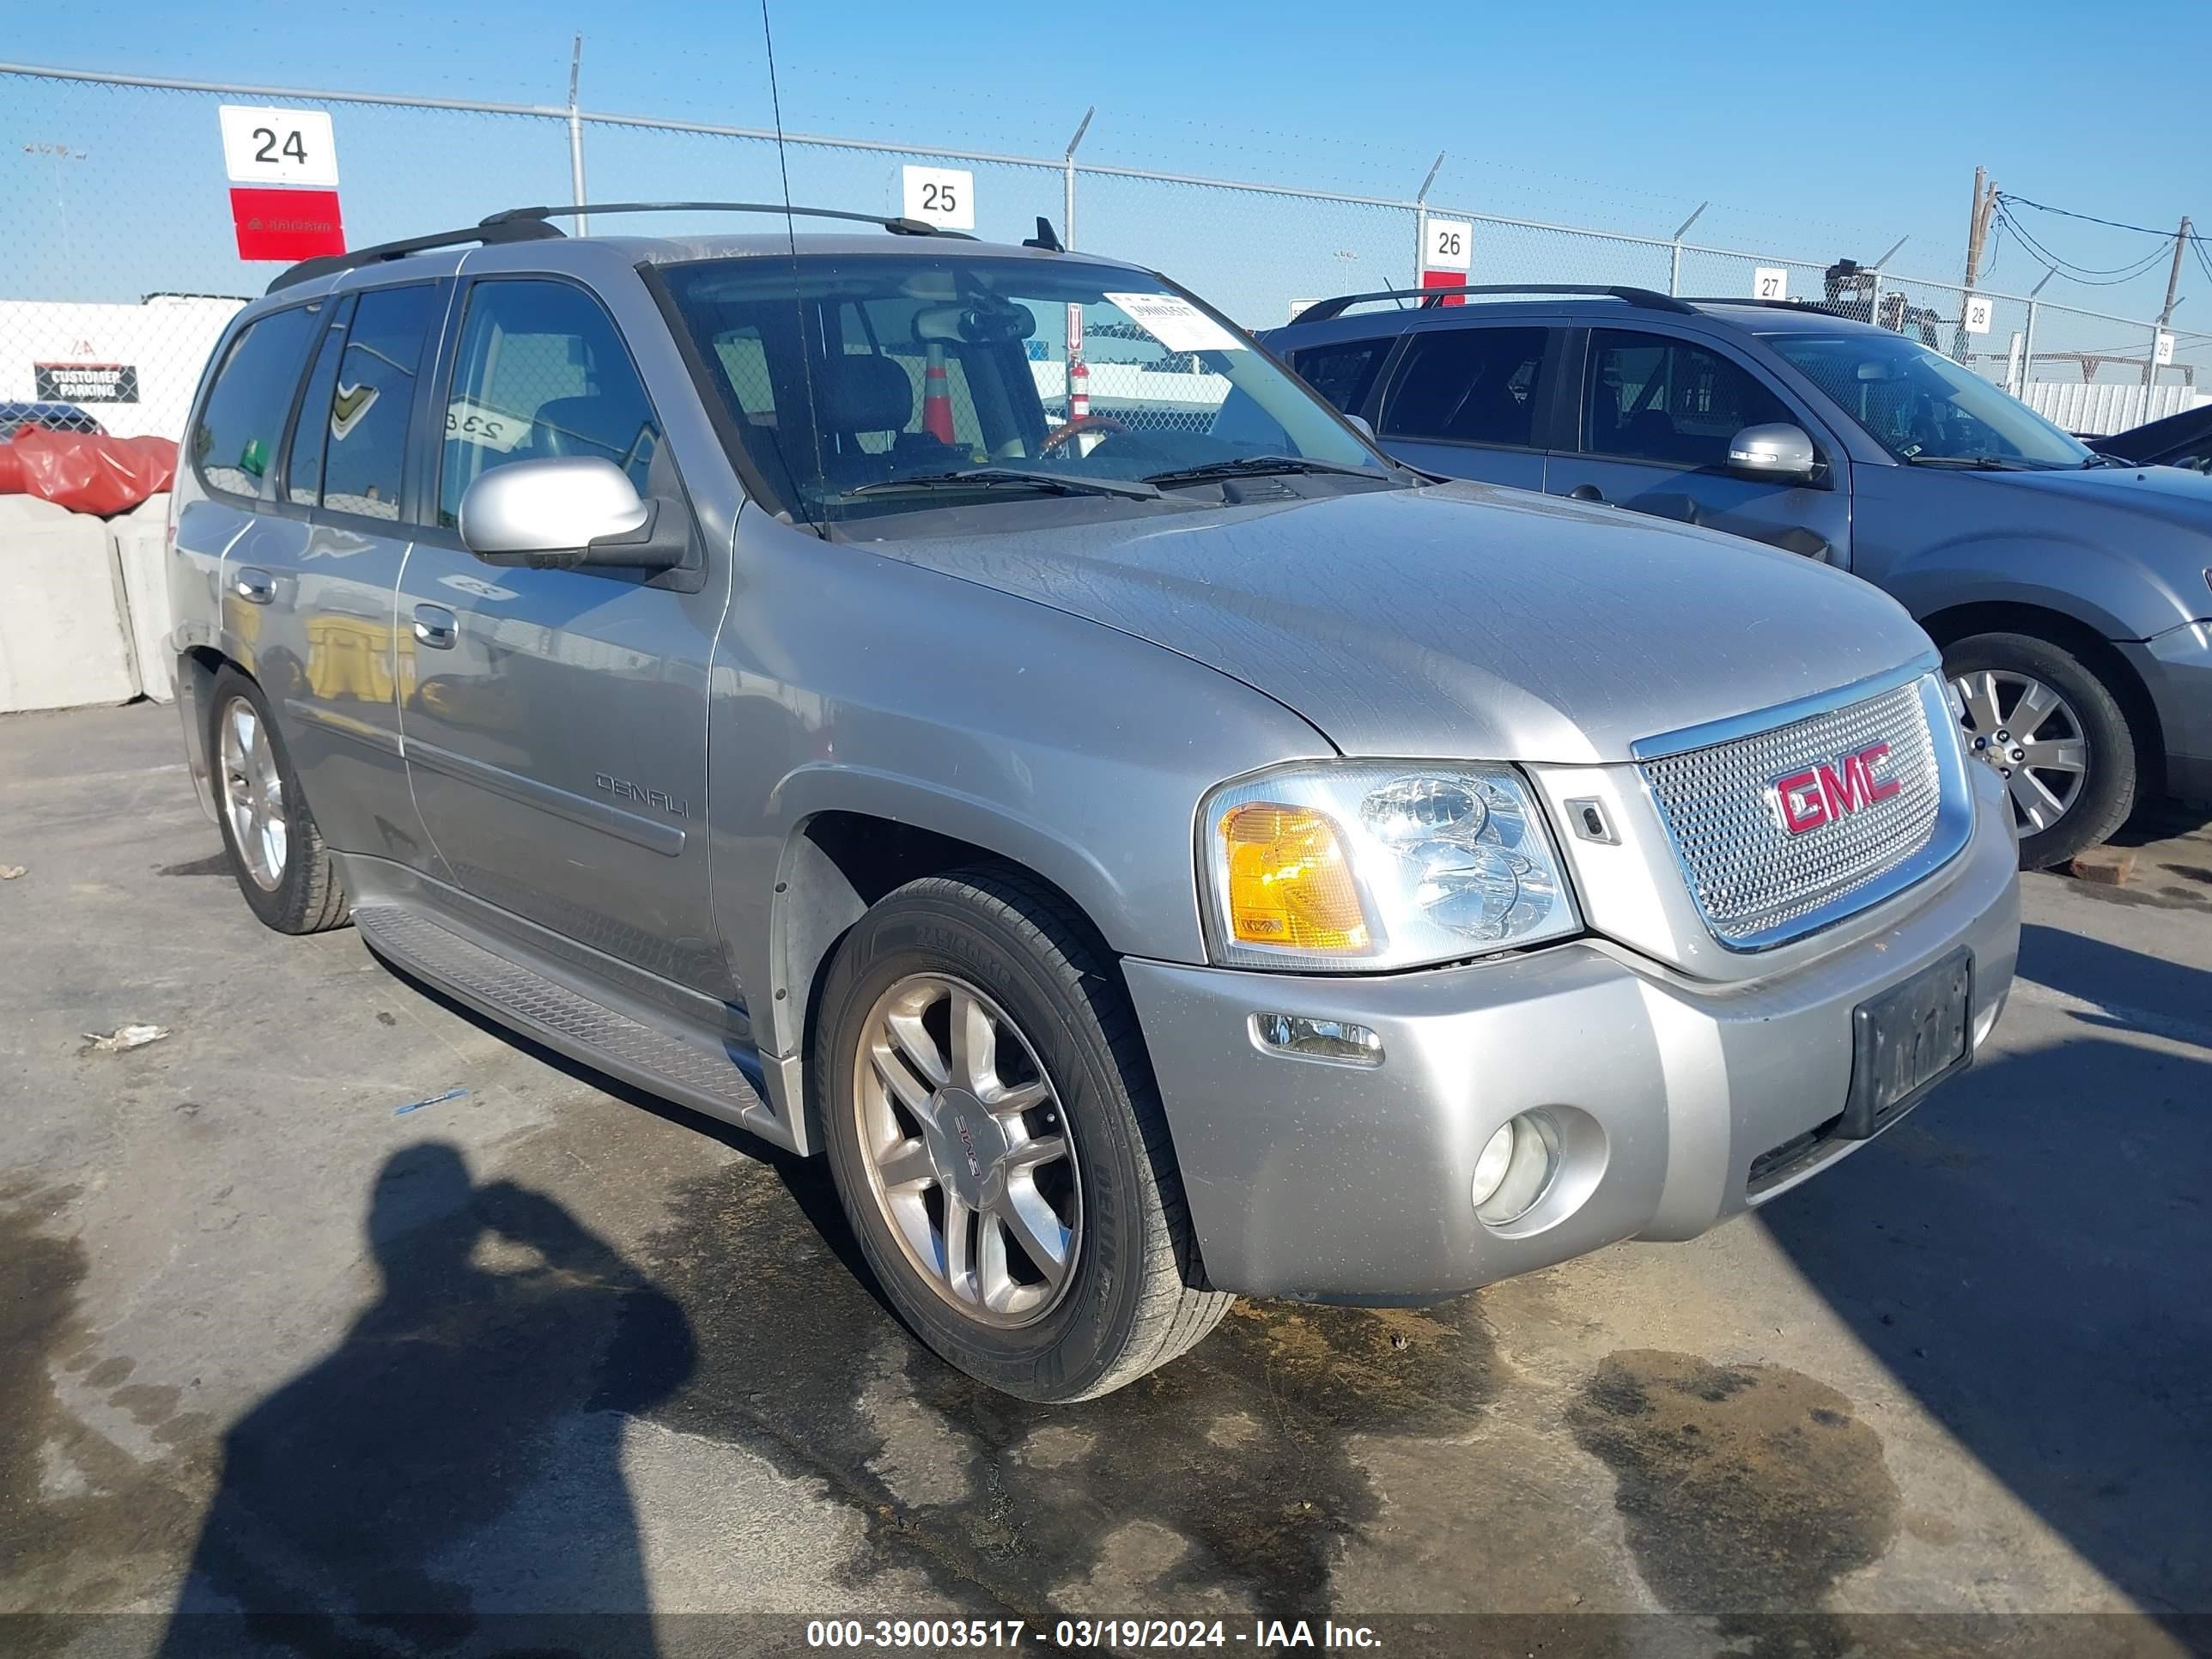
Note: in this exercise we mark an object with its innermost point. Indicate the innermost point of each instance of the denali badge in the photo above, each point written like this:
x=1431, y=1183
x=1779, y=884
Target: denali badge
x=1823, y=793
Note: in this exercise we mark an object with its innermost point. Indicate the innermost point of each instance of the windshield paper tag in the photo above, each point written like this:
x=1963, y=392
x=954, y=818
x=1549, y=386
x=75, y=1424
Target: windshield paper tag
x=1175, y=322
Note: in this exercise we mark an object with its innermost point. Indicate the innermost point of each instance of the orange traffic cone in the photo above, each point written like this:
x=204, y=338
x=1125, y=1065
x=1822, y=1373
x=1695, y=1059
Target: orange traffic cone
x=936, y=396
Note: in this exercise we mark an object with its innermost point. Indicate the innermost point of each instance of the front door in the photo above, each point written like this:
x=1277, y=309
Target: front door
x=556, y=723
x=1658, y=413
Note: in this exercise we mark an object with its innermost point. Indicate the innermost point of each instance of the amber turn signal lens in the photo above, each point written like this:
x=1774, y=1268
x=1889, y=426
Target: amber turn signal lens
x=1289, y=882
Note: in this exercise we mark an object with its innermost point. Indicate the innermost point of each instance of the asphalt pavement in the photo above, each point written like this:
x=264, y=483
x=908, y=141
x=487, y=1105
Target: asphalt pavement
x=335, y=1298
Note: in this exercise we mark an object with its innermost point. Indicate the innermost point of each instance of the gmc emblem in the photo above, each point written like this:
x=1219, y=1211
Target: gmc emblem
x=1824, y=794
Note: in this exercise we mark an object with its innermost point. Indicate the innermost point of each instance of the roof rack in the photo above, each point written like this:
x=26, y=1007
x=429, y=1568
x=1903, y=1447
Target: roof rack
x=330, y=265
x=1765, y=305
x=1651, y=299
x=529, y=224
x=897, y=226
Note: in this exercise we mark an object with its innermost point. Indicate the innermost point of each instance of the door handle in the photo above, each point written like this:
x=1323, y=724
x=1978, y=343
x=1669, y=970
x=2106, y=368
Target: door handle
x=254, y=586
x=436, y=627
x=1586, y=492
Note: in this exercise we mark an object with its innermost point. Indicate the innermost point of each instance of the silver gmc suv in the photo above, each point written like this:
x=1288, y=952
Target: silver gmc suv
x=967, y=711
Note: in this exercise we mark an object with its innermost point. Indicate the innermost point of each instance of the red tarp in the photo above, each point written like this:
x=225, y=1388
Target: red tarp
x=84, y=473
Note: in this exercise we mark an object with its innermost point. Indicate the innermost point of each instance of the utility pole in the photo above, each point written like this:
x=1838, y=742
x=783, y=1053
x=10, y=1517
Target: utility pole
x=576, y=137
x=1978, y=230
x=2166, y=314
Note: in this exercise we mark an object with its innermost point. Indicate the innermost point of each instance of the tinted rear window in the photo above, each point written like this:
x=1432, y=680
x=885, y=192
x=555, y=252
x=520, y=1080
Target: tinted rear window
x=1343, y=373
x=234, y=442
x=1470, y=385
x=374, y=397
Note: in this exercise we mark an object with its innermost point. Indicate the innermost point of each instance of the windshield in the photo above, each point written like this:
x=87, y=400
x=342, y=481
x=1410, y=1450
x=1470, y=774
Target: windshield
x=888, y=382
x=1921, y=406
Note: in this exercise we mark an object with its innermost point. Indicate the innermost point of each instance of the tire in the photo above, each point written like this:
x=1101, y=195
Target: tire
x=289, y=883
x=1132, y=1295
x=1992, y=672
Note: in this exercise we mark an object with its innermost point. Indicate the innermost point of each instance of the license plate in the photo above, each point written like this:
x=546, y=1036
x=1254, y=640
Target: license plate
x=1907, y=1041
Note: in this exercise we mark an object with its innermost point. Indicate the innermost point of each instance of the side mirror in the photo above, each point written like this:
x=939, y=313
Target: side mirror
x=1779, y=452
x=563, y=512
x=1365, y=430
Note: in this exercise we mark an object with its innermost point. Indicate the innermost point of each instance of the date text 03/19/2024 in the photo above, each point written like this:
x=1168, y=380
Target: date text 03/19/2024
x=1076, y=1635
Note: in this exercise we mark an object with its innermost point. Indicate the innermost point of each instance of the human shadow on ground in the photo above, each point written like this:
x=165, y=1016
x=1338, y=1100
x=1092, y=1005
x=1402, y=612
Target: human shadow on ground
x=450, y=1474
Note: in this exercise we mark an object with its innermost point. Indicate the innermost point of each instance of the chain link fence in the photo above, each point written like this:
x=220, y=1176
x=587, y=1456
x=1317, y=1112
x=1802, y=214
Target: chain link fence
x=123, y=268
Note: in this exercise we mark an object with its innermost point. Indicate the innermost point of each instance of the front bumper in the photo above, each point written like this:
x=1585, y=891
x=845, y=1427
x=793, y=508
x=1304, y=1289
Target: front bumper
x=2177, y=667
x=1310, y=1179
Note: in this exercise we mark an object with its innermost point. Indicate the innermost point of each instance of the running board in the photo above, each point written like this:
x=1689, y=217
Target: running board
x=694, y=1071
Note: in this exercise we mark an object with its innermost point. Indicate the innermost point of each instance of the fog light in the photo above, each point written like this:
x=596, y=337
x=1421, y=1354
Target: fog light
x=1337, y=1040
x=1516, y=1168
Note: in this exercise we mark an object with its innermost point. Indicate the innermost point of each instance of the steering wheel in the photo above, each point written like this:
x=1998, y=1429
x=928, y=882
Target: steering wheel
x=1066, y=429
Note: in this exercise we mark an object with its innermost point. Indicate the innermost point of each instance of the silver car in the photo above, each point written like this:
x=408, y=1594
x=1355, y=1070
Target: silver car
x=965, y=711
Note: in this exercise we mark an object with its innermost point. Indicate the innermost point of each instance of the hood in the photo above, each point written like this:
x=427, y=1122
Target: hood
x=2167, y=493
x=1460, y=621
x=2159, y=440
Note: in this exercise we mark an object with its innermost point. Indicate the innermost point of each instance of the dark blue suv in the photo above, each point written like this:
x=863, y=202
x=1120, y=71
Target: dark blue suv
x=2071, y=592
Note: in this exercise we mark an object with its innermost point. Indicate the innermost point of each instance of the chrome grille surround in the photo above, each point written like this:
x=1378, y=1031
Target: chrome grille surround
x=1758, y=886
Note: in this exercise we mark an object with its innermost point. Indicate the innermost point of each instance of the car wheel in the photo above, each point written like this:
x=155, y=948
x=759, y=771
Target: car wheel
x=998, y=1144
x=2056, y=734
x=275, y=851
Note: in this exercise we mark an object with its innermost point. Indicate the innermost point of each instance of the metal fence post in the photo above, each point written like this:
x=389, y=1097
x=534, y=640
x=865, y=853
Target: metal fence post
x=1675, y=258
x=2027, y=349
x=576, y=139
x=1874, y=294
x=1067, y=179
x=1421, y=223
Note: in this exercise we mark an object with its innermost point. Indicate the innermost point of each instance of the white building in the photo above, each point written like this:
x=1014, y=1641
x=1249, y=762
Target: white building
x=131, y=367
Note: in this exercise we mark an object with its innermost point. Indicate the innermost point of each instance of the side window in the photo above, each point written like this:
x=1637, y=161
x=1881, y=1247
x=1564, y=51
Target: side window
x=1470, y=385
x=540, y=372
x=234, y=442
x=743, y=357
x=1343, y=373
x=1651, y=398
x=303, y=467
x=366, y=457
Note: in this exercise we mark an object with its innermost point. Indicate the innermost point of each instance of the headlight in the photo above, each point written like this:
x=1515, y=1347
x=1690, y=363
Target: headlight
x=1370, y=864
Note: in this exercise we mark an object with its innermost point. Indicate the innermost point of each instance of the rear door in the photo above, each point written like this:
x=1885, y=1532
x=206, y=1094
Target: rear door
x=343, y=473
x=556, y=720
x=1657, y=411
x=1468, y=401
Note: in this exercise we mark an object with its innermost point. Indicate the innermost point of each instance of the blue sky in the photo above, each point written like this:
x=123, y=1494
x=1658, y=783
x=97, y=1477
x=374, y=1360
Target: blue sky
x=1820, y=132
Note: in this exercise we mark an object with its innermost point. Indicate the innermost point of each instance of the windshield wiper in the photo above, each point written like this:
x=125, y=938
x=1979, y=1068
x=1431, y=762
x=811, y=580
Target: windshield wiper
x=1248, y=466
x=989, y=477
x=1981, y=463
x=2098, y=457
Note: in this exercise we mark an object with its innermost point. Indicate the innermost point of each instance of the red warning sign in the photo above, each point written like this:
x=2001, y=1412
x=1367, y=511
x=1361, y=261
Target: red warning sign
x=286, y=224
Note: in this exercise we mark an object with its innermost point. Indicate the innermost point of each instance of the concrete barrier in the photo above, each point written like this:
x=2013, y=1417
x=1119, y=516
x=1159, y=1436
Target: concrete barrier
x=62, y=641
x=142, y=565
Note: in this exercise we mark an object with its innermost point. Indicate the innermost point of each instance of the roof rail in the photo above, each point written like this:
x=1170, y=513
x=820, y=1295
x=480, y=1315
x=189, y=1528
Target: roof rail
x=1840, y=305
x=1651, y=299
x=898, y=226
x=529, y=224
x=329, y=264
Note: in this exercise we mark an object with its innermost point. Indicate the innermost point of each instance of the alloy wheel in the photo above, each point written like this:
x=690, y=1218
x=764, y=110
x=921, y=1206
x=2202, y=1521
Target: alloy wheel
x=2032, y=735
x=968, y=1152
x=253, y=794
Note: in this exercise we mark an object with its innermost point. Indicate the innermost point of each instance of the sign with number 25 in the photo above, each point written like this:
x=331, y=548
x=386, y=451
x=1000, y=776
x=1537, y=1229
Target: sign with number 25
x=943, y=197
